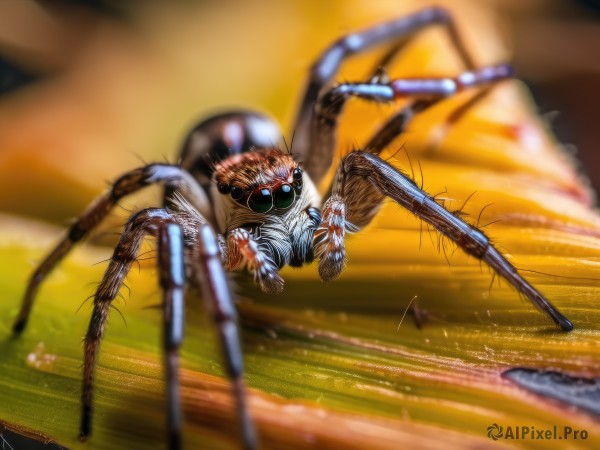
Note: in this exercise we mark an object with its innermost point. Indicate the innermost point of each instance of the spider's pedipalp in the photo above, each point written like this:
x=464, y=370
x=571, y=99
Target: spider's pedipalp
x=329, y=239
x=244, y=252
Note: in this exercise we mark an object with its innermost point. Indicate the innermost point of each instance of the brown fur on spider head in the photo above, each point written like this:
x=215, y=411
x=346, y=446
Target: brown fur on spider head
x=262, y=180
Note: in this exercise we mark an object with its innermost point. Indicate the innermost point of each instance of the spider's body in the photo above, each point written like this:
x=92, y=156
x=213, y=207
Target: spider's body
x=266, y=210
x=235, y=202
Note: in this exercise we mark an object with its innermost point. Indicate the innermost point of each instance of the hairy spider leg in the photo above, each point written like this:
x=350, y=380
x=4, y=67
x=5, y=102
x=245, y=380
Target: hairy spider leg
x=217, y=295
x=171, y=263
x=425, y=91
x=388, y=132
x=128, y=183
x=398, y=122
x=363, y=177
x=147, y=221
x=211, y=277
x=327, y=65
x=396, y=125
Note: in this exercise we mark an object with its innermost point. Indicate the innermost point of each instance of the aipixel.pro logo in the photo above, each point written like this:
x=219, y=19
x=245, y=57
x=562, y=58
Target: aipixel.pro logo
x=523, y=432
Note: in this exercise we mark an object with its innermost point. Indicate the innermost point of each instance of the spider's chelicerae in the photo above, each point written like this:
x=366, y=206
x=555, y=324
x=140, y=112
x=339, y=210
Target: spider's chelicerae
x=237, y=202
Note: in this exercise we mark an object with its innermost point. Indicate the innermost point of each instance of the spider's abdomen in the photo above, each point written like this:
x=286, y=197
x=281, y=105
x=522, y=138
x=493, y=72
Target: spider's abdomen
x=222, y=136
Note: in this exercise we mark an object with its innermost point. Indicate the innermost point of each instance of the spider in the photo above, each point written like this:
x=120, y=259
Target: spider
x=237, y=202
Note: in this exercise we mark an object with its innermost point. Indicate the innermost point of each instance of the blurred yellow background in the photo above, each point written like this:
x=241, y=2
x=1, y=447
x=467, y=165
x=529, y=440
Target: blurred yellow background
x=126, y=82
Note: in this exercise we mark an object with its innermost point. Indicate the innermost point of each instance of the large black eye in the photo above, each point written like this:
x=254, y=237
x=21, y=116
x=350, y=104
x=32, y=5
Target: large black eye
x=284, y=196
x=236, y=193
x=297, y=176
x=261, y=200
x=223, y=188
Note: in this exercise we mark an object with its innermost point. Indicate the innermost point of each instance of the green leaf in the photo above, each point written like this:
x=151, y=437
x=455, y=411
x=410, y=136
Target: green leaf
x=329, y=365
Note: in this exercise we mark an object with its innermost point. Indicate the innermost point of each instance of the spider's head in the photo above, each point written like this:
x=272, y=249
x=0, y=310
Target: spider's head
x=263, y=181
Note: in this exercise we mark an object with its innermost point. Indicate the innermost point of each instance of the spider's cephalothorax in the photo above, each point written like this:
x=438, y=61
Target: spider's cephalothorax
x=236, y=202
x=266, y=194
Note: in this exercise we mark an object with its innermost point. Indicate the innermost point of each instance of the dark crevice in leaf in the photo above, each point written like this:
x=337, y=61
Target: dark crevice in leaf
x=11, y=439
x=583, y=393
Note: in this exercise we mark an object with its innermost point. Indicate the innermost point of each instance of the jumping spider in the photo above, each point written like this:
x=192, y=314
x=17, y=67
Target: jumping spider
x=237, y=202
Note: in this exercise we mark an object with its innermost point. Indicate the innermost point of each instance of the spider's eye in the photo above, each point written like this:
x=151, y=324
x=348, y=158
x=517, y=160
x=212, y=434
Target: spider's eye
x=223, y=188
x=284, y=196
x=236, y=193
x=297, y=174
x=261, y=200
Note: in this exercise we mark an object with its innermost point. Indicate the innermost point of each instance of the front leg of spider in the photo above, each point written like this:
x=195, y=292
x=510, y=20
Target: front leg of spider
x=365, y=175
x=145, y=222
x=127, y=184
x=211, y=276
x=171, y=263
